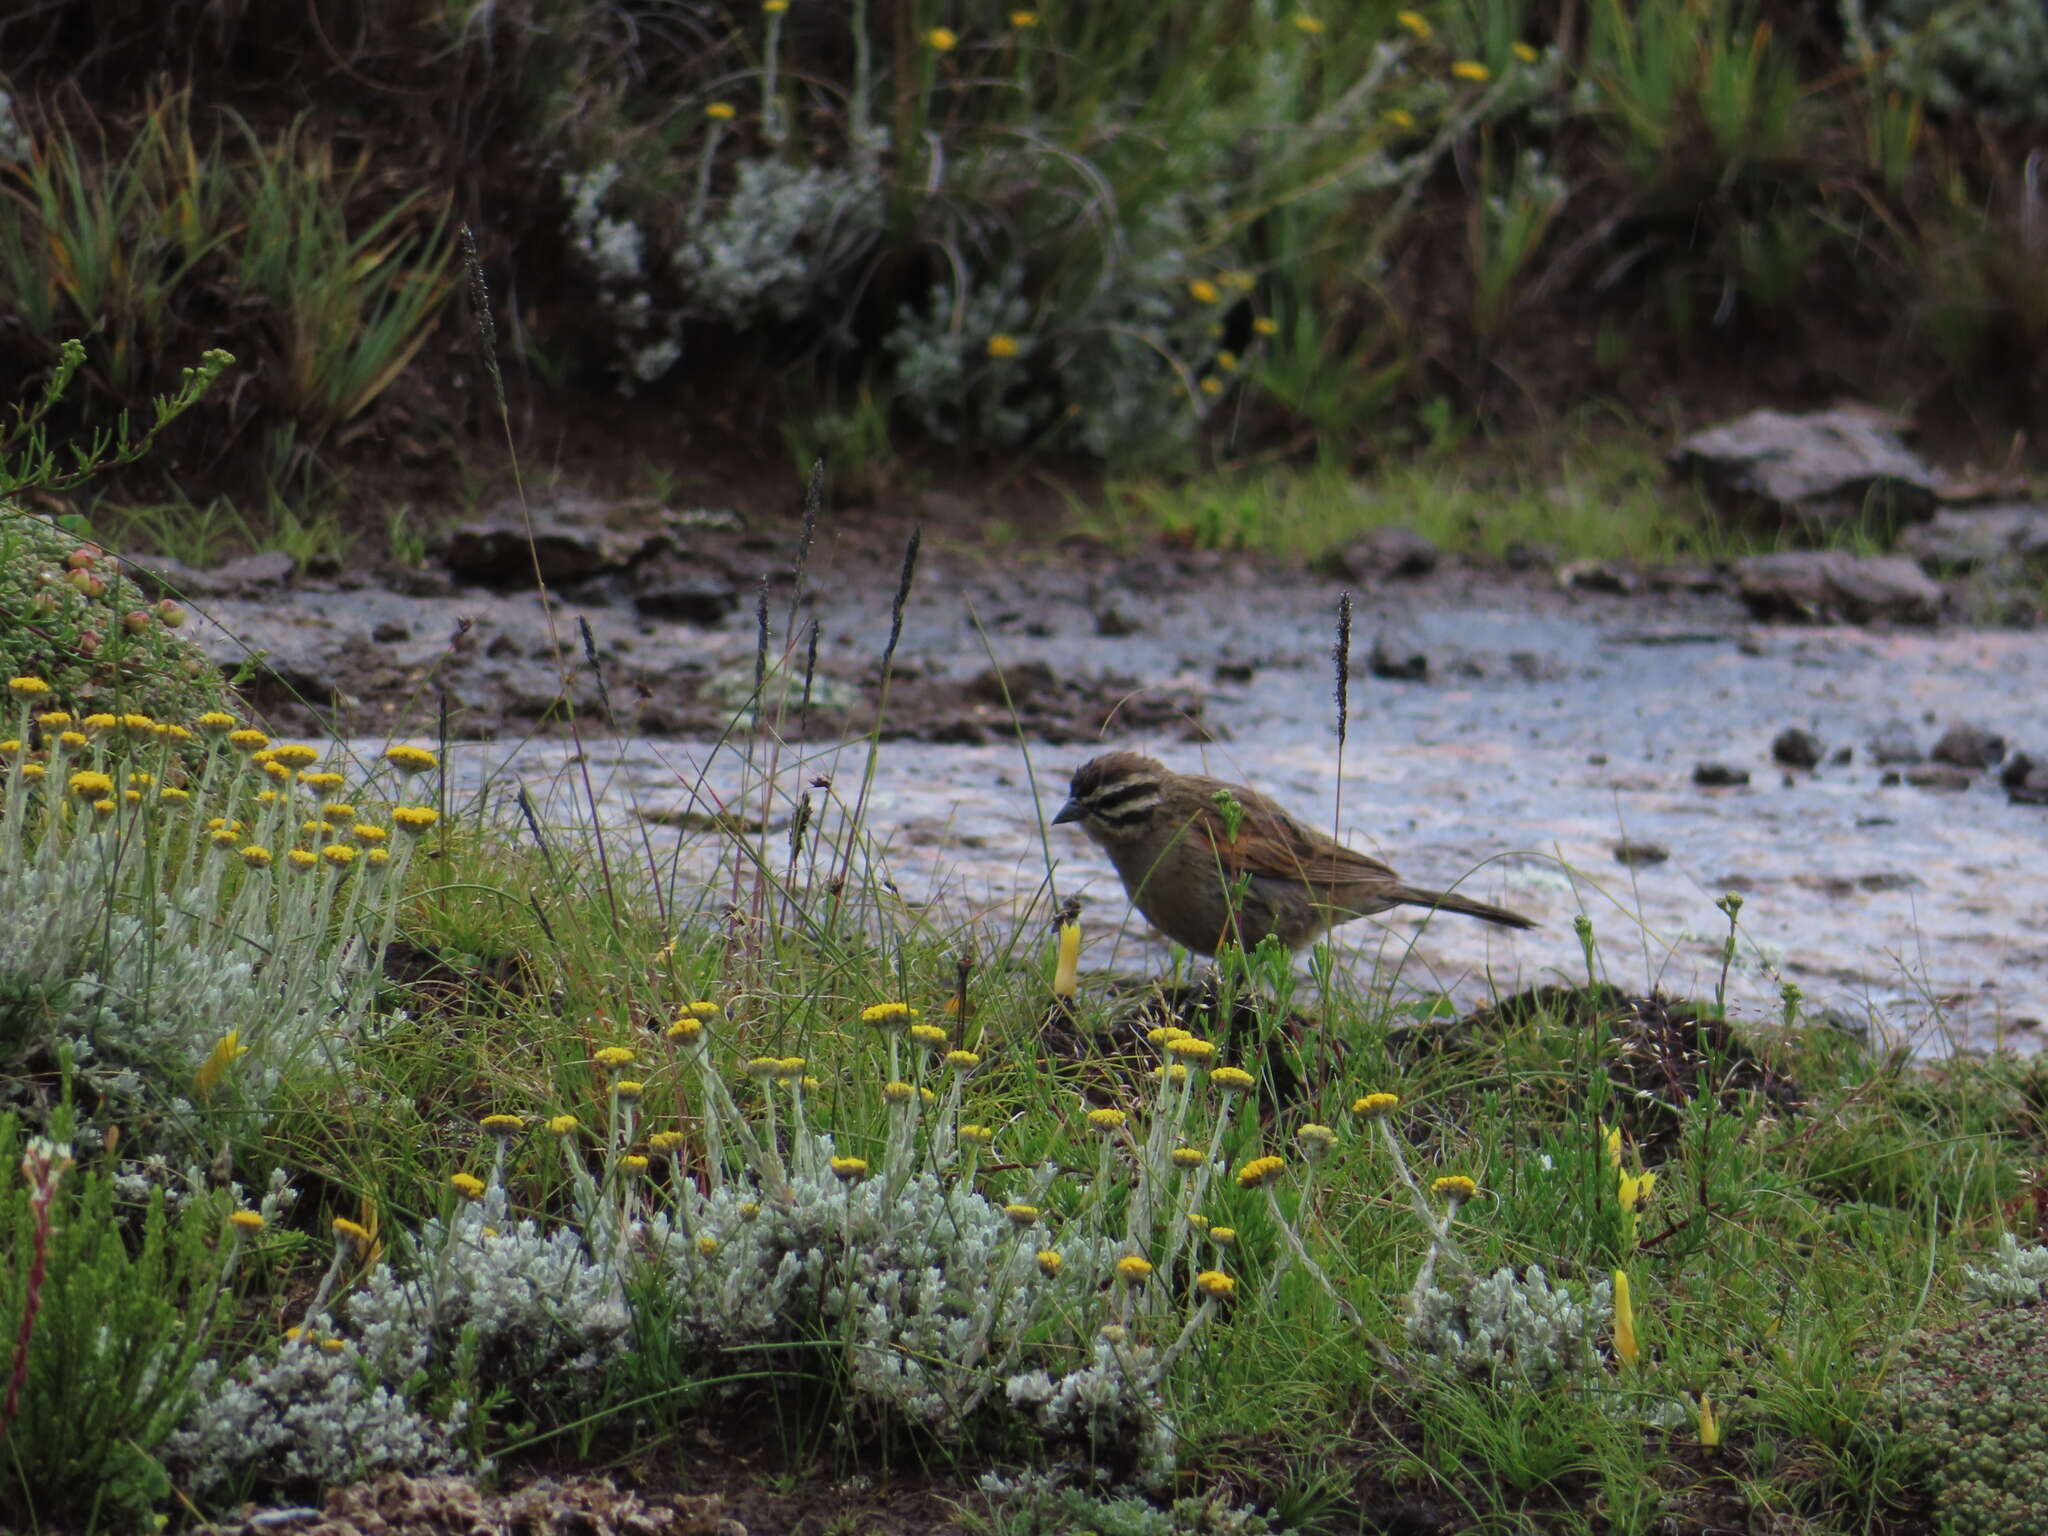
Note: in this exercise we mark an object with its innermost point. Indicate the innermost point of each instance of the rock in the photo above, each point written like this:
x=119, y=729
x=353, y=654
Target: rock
x=162, y=576
x=260, y=572
x=2025, y=780
x=1595, y=576
x=1684, y=577
x=1942, y=776
x=1825, y=466
x=1398, y=658
x=572, y=540
x=1718, y=775
x=1634, y=854
x=424, y=582
x=1393, y=552
x=390, y=632
x=1969, y=746
x=1112, y=623
x=1795, y=748
x=1530, y=557
x=1961, y=540
x=1895, y=743
x=1814, y=586
x=702, y=599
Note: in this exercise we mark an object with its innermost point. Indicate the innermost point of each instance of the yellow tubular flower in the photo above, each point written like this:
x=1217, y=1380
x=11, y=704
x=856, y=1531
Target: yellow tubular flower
x=411, y=759
x=962, y=1061
x=296, y=755
x=889, y=1015
x=415, y=818
x=665, y=1141
x=1202, y=291
x=633, y=1164
x=564, y=1125
x=898, y=1093
x=1223, y=1237
x=27, y=687
x=503, y=1125
x=1215, y=1284
x=302, y=858
x=1003, y=346
x=614, y=1056
x=1260, y=1171
x=1472, y=70
x=1374, y=1105
x=1187, y=1157
x=928, y=1035
x=248, y=1221
x=1188, y=1048
x=1232, y=1079
x=214, y=722
x=338, y=855
x=1049, y=1263
x=1625, y=1345
x=353, y=1233
x=977, y=1135
x=255, y=855
x=1316, y=1140
x=1414, y=23
x=721, y=111
x=943, y=39
x=1022, y=1215
x=1455, y=1186
x=468, y=1185
x=91, y=786
x=687, y=1030
x=1133, y=1270
x=1106, y=1120
x=849, y=1170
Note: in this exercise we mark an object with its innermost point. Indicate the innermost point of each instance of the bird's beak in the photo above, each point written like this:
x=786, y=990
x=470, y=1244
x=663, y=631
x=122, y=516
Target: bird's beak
x=1071, y=811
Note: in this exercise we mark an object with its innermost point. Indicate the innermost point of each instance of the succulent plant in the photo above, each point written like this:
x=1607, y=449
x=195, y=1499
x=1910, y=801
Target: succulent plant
x=1971, y=1401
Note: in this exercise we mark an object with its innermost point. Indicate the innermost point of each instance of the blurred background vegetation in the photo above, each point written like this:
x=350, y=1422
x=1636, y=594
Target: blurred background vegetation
x=1125, y=234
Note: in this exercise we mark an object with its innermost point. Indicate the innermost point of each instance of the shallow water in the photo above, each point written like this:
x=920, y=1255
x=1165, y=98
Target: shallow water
x=1554, y=734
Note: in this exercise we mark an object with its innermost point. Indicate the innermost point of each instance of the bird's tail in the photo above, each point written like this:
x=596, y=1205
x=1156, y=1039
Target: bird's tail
x=1446, y=901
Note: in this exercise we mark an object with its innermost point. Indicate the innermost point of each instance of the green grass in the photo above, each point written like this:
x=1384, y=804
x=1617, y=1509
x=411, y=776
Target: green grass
x=1595, y=497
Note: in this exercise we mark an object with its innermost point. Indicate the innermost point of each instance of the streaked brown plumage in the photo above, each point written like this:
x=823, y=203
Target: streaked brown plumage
x=1168, y=834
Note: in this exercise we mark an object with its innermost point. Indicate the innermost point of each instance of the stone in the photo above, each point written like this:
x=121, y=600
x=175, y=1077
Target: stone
x=1824, y=466
x=1969, y=746
x=1719, y=775
x=1895, y=743
x=1795, y=748
x=705, y=599
x=1635, y=854
x=2025, y=780
x=1818, y=586
x=1595, y=576
x=1112, y=623
x=1942, y=776
x=1959, y=540
x=572, y=539
x=1390, y=553
x=1398, y=658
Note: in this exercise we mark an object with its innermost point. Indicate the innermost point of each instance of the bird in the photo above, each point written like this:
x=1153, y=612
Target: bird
x=1210, y=862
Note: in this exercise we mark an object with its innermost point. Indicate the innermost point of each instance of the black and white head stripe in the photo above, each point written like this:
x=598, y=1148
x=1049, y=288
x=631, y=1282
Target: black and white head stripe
x=1116, y=792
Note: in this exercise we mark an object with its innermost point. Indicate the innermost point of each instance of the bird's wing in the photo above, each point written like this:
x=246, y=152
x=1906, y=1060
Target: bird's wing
x=1272, y=844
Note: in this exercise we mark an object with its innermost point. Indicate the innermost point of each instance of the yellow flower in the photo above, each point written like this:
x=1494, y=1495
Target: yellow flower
x=749, y=1210
x=72, y=739
x=962, y=1061
x=1223, y=1237
x=33, y=771
x=1106, y=1120
x=27, y=687
x=378, y=857
x=1633, y=1191
x=172, y=732
x=1710, y=1427
x=1215, y=1284
x=889, y=1015
x=721, y=111
x=1525, y=52
x=898, y=1093
x=1316, y=1140
x=977, y=1135
x=53, y=720
x=255, y=855
x=1612, y=1143
x=928, y=1035
x=468, y=1185
x=628, y=1089
x=1266, y=327
x=765, y=1067
x=333, y=1346
x=9, y=747
x=227, y=1050
x=687, y=1030
x=1304, y=22
x=337, y=812
x=1625, y=1345
x=224, y=837
x=302, y=858
x=1166, y=1034
x=320, y=781
x=707, y=1246
x=173, y=794
x=665, y=1141
x=415, y=818
x=1473, y=70
x=139, y=725
x=1227, y=361
x=1454, y=1186
x=1022, y=1215
x=1023, y=21
x=295, y=754
x=353, y=1233
x=1002, y=345
x=849, y=1170
x=1197, y=1221
x=700, y=1011
x=246, y=740
x=564, y=1125
x=1374, y=1105
x=1188, y=1048
x=91, y=786
x=1202, y=291
x=1232, y=1079
x=408, y=759
x=1412, y=20
x=633, y=1164
x=790, y=1069
x=1237, y=280
x=774, y=7
x=366, y=832
x=503, y=1125
x=1049, y=1263
x=338, y=855
x=132, y=796
x=1134, y=1270
x=614, y=1056
x=277, y=771
x=248, y=1221
x=944, y=39
x=215, y=721
x=1260, y=1171
x=1187, y=1157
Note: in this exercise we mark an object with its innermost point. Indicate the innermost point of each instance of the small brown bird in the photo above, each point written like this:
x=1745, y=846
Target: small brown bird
x=1209, y=862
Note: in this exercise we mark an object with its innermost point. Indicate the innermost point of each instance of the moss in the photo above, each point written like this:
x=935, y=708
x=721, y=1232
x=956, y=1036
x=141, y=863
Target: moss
x=1972, y=1404
x=91, y=633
